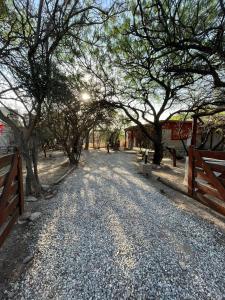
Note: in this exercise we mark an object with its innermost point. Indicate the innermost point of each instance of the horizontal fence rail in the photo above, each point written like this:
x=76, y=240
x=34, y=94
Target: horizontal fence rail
x=11, y=192
x=206, y=178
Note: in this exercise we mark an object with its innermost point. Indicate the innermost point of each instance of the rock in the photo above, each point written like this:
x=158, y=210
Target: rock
x=28, y=259
x=31, y=199
x=22, y=222
x=162, y=192
x=156, y=167
x=25, y=216
x=9, y=294
x=45, y=187
x=183, y=265
x=49, y=196
x=34, y=216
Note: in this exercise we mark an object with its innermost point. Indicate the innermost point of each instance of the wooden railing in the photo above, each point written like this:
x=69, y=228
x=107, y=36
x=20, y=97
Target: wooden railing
x=11, y=192
x=206, y=178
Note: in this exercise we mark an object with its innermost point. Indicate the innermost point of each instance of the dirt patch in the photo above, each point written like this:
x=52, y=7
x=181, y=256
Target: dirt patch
x=171, y=175
x=52, y=167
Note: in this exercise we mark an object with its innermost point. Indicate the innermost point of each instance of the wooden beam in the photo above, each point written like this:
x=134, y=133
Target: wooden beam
x=211, y=177
x=4, y=233
x=191, y=171
x=20, y=179
x=215, y=206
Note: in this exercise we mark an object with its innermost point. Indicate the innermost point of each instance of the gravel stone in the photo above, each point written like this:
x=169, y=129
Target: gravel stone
x=25, y=216
x=28, y=259
x=21, y=222
x=45, y=186
x=34, y=216
x=110, y=234
x=31, y=199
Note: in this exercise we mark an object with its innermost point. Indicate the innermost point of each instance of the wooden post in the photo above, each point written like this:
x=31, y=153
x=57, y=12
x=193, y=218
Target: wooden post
x=132, y=139
x=191, y=169
x=20, y=180
x=174, y=157
x=93, y=138
x=125, y=143
x=146, y=157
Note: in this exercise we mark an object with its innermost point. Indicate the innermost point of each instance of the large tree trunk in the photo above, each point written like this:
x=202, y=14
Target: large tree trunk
x=33, y=185
x=157, y=143
x=72, y=158
x=77, y=146
x=70, y=154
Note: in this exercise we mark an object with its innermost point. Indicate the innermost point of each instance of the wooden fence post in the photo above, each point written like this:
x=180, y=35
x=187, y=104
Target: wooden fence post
x=125, y=143
x=20, y=180
x=191, y=169
x=174, y=157
x=146, y=157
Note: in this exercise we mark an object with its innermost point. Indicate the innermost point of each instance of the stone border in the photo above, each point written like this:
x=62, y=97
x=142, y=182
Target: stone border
x=68, y=172
x=171, y=185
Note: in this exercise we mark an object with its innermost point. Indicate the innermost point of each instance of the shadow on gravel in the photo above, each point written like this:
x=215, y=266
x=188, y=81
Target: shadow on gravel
x=110, y=221
x=21, y=243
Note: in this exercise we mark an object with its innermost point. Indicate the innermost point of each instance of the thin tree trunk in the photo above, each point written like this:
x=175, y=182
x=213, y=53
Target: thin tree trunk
x=218, y=144
x=44, y=151
x=77, y=149
x=201, y=146
x=28, y=190
x=93, y=138
x=86, y=147
x=35, y=162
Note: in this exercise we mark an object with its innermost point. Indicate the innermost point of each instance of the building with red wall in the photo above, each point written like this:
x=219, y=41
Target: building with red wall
x=173, y=132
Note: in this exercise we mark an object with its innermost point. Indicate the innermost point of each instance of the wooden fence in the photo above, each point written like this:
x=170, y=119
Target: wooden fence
x=11, y=192
x=206, y=178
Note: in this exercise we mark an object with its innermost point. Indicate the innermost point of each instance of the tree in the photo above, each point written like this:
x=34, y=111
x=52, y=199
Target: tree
x=135, y=80
x=211, y=126
x=32, y=41
x=112, y=128
x=193, y=33
x=69, y=117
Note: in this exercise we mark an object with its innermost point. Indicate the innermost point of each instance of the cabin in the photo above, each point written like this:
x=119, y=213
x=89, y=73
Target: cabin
x=175, y=134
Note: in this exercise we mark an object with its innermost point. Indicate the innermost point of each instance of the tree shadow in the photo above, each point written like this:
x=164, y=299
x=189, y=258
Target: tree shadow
x=110, y=234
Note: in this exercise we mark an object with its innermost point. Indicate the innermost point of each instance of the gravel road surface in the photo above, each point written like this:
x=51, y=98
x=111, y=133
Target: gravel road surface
x=109, y=234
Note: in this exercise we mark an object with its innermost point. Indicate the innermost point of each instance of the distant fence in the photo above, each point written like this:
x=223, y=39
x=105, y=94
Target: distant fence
x=11, y=192
x=206, y=178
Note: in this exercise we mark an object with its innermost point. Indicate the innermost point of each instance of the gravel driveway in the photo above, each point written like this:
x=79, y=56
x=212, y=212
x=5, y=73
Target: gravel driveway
x=109, y=234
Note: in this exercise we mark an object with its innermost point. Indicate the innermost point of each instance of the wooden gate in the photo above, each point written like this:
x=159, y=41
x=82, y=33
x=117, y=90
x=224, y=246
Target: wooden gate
x=206, y=178
x=11, y=192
